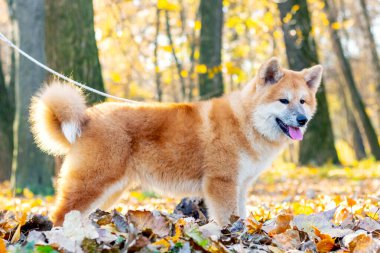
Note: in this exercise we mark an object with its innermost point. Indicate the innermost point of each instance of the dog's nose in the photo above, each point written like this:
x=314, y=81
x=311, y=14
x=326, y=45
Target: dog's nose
x=301, y=119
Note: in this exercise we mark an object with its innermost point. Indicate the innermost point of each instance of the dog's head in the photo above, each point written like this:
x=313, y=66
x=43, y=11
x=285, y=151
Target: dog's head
x=285, y=100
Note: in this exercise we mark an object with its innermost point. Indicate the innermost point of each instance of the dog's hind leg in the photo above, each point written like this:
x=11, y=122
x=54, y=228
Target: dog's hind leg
x=85, y=188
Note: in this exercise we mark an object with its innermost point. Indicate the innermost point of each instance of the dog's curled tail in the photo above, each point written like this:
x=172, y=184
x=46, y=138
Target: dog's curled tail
x=57, y=114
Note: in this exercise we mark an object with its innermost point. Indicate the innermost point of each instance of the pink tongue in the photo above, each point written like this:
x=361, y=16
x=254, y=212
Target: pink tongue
x=295, y=133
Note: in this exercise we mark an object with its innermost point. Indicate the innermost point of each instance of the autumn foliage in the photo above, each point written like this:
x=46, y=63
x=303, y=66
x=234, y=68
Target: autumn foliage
x=308, y=209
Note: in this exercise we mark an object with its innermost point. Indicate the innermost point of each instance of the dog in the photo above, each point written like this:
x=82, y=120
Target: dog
x=212, y=149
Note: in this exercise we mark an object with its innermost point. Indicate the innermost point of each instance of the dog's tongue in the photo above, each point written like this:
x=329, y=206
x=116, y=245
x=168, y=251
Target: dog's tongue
x=295, y=133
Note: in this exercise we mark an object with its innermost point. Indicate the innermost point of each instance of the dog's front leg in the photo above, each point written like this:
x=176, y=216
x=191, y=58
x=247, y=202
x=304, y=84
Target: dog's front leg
x=244, y=186
x=242, y=201
x=221, y=195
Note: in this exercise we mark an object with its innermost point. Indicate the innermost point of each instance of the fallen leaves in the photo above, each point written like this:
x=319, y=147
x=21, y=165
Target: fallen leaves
x=291, y=209
x=148, y=231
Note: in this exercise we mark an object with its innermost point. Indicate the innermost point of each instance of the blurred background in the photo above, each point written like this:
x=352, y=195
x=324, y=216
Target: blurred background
x=189, y=50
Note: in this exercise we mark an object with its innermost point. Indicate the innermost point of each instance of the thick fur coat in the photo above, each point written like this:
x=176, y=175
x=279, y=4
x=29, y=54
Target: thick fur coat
x=213, y=149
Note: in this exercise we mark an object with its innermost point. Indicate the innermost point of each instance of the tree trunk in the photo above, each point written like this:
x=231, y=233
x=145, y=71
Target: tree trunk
x=355, y=135
x=194, y=44
x=304, y=55
x=156, y=65
x=372, y=44
x=7, y=105
x=30, y=167
x=70, y=42
x=211, y=82
x=176, y=60
x=6, y=138
x=355, y=95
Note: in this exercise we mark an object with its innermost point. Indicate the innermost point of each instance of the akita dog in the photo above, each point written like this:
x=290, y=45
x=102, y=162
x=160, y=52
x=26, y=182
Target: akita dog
x=213, y=149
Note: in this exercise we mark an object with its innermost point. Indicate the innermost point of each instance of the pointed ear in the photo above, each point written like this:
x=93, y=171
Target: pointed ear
x=313, y=76
x=270, y=72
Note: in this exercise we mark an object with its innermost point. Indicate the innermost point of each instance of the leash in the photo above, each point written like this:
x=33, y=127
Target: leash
x=52, y=71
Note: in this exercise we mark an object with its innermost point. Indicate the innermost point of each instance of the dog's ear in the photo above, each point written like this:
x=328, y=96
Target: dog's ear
x=313, y=76
x=270, y=72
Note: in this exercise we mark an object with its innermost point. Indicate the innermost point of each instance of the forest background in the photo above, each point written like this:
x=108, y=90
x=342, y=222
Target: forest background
x=174, y=51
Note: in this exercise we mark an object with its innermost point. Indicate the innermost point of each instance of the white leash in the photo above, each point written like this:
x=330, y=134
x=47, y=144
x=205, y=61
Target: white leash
x=52, y=71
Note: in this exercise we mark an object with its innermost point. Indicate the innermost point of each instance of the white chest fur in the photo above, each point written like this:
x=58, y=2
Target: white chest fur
x=250, y=169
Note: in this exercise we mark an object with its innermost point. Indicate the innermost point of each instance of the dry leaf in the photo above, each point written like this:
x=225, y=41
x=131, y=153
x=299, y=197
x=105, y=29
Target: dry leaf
x=282, y=224
x=289, y=240
x=326, y=242
x=3, y=249
x=364, y=243
x=325, y=245
x=369, y=224
x=77, y=228
x=142, y=220
x=211, y=230
x=252, y=225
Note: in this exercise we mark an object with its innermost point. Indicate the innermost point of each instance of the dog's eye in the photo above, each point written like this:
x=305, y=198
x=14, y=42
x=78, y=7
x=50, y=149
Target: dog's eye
x=302, y=101
x=284, y=101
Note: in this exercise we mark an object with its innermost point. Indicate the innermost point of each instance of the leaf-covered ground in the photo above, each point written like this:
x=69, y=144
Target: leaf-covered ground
x=300, y=209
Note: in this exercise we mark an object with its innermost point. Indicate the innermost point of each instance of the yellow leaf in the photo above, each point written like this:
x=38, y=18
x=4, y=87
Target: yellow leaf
x=164, y=243
x=321, y=5
x=115, y=77
x=21, y=218
x=325, y=20
x=373, y=215
x=196, y=54
x=36, y=203
x=184, y=73
x=166, y=48
x=49, y=199
x=226, y=3
x=27, y=193
x=137, y=195
x=240, y=28
x=201, y=69
x=336, y=26
x=167, y=5
x=287, y=18
x=233, y=21
x=252, y=225
x=178, y=229
x=277, y=34
x=197, y=25
x=268, y=19
x=302, y=209
x=251, y=23
x=295, y=8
